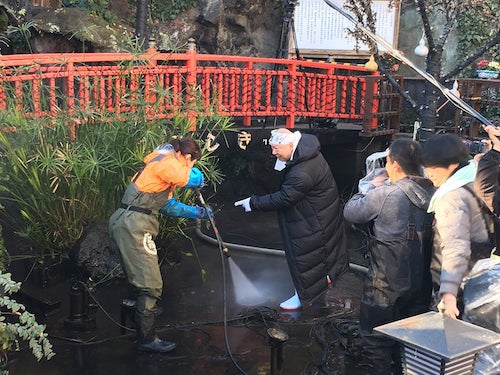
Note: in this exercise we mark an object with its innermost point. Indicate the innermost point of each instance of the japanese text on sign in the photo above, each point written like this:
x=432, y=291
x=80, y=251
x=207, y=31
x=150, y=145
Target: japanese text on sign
x=319, y=27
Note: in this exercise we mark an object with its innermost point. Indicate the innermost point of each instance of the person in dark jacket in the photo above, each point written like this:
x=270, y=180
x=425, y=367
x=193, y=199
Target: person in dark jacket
x=486, y=182
x=398, y=282
x=309, y=215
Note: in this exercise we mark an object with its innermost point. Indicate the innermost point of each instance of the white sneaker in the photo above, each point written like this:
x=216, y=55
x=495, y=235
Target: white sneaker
x=293, y=303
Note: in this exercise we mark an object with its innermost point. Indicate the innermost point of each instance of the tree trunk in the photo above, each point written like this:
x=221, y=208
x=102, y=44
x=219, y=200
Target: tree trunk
x=141, y=21
x=432, y=93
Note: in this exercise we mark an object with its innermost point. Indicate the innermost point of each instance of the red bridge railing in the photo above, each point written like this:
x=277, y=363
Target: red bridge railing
x=169, y=83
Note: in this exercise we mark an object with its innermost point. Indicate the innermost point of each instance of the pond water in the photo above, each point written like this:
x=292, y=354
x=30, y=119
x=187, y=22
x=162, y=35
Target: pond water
x=220, y=325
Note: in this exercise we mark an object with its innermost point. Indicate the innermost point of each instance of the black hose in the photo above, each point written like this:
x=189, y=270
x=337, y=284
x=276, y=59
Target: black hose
x=224, y=249
x=223, y=252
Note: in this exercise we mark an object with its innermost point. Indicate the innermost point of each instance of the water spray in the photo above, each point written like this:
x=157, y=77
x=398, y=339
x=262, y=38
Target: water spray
x=222, y=247
x=223, y=250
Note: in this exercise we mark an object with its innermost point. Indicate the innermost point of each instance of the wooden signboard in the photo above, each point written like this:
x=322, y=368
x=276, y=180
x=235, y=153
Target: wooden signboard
x=320, y=31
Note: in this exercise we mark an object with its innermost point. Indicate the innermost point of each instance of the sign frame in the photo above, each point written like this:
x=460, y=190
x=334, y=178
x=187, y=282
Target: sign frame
x=309, y=21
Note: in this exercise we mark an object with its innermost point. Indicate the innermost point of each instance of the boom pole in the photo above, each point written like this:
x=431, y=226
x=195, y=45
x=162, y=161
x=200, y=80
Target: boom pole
x=458, y=102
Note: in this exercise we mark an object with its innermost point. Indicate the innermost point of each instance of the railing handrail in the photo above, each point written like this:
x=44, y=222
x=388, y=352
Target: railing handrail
x=288, y=88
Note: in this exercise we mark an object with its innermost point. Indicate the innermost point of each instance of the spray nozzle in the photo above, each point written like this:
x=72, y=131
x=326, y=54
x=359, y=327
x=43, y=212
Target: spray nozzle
x=225, y=251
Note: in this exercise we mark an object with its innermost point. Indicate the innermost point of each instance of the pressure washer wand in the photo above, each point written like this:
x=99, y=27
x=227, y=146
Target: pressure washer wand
x=223, y=247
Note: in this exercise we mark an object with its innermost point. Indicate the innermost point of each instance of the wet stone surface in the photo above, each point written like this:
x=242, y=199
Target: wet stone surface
x=220, y=325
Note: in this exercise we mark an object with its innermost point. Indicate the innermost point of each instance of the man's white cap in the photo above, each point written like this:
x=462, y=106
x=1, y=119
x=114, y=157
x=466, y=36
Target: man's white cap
x=279, y=138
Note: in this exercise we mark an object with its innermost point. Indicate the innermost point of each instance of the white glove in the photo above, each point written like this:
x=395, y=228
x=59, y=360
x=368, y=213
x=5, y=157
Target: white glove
x=245, y=203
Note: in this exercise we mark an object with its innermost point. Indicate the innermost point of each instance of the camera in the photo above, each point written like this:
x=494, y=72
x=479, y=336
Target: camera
x=477, y=146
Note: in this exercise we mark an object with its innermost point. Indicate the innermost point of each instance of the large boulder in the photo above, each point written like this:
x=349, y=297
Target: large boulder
x=95, y=255
x=82, y=31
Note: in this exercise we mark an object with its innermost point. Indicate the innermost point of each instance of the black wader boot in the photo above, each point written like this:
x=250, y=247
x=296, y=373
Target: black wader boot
x=147, y=340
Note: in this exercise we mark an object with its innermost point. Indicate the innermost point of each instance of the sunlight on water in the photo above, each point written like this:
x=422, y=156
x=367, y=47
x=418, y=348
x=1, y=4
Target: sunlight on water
x=246, y=293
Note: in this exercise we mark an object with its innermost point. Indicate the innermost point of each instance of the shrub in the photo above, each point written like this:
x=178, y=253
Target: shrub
x=61, y=179
x=17, y=324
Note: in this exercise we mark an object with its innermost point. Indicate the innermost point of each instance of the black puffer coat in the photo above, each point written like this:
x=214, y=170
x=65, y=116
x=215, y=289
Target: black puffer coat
x=310, y=220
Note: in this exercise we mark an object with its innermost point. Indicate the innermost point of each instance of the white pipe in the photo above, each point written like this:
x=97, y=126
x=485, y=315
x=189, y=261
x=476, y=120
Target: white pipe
x=259, y=250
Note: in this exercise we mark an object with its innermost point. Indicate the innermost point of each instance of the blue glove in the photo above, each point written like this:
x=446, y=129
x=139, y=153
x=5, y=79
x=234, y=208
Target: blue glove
x=177, y=209
x=204, y=213
x=196, y=179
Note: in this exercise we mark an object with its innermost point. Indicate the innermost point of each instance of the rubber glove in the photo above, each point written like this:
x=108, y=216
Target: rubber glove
x=245, y=203
x=196, y=179
x=204, y=213
x=177, y=209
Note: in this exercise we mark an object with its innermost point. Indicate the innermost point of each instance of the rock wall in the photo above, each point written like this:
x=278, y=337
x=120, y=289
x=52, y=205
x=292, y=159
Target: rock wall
x=226, y=27
x=233, y=27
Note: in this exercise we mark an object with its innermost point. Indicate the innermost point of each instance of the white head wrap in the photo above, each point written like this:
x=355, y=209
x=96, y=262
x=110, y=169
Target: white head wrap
x=279, y=138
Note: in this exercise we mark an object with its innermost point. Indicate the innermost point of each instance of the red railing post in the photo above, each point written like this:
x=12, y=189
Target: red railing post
x=292, y=93
x=246, y=94
x=375, y=106
x=70, y=103
x=191, y=83
x=370, y=122
x=150, y=78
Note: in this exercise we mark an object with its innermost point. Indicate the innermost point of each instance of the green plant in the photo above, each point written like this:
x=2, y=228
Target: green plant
x=474, y=29
x=98, y=8
x=4, y=254
x=166, y=11
x=17, y=324
x=20, y=35
x=61, y=178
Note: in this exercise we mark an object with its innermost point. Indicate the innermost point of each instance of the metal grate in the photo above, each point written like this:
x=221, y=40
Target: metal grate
x=434, y=344
x=420, y=362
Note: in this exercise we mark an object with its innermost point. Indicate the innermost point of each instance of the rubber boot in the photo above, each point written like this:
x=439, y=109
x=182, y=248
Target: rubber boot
x=130, y=303
x=293, y=303
x=147, y=340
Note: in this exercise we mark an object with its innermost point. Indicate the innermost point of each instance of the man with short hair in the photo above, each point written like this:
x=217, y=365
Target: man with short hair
x=460, y=232
x=398, y=282
x=309, y=215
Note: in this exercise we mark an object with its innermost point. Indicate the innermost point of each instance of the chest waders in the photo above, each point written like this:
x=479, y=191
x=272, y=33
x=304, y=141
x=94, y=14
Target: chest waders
x=133, y=228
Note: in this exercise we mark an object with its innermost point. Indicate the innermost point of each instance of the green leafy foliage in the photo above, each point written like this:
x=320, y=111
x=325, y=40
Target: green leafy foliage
x=100, y=8
x=17, y=324
x=474, y=26
x=4, y=254
x=61, y=178
x=168, y=10
x=19, y=36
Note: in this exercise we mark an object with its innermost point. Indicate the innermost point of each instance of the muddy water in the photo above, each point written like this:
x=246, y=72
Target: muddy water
x=230, y=312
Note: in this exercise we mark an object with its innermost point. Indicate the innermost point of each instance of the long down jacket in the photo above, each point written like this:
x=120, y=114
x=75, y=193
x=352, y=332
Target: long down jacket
x=310, y=220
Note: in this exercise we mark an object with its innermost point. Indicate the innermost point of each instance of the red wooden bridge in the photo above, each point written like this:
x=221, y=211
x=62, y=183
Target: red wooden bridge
x=168, y=83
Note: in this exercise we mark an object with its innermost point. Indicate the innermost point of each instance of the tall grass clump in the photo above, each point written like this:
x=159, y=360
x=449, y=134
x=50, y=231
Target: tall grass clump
x=63, y=173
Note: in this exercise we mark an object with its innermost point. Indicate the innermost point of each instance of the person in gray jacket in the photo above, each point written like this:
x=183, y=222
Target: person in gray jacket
x=398, y=282
x=460, y=234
